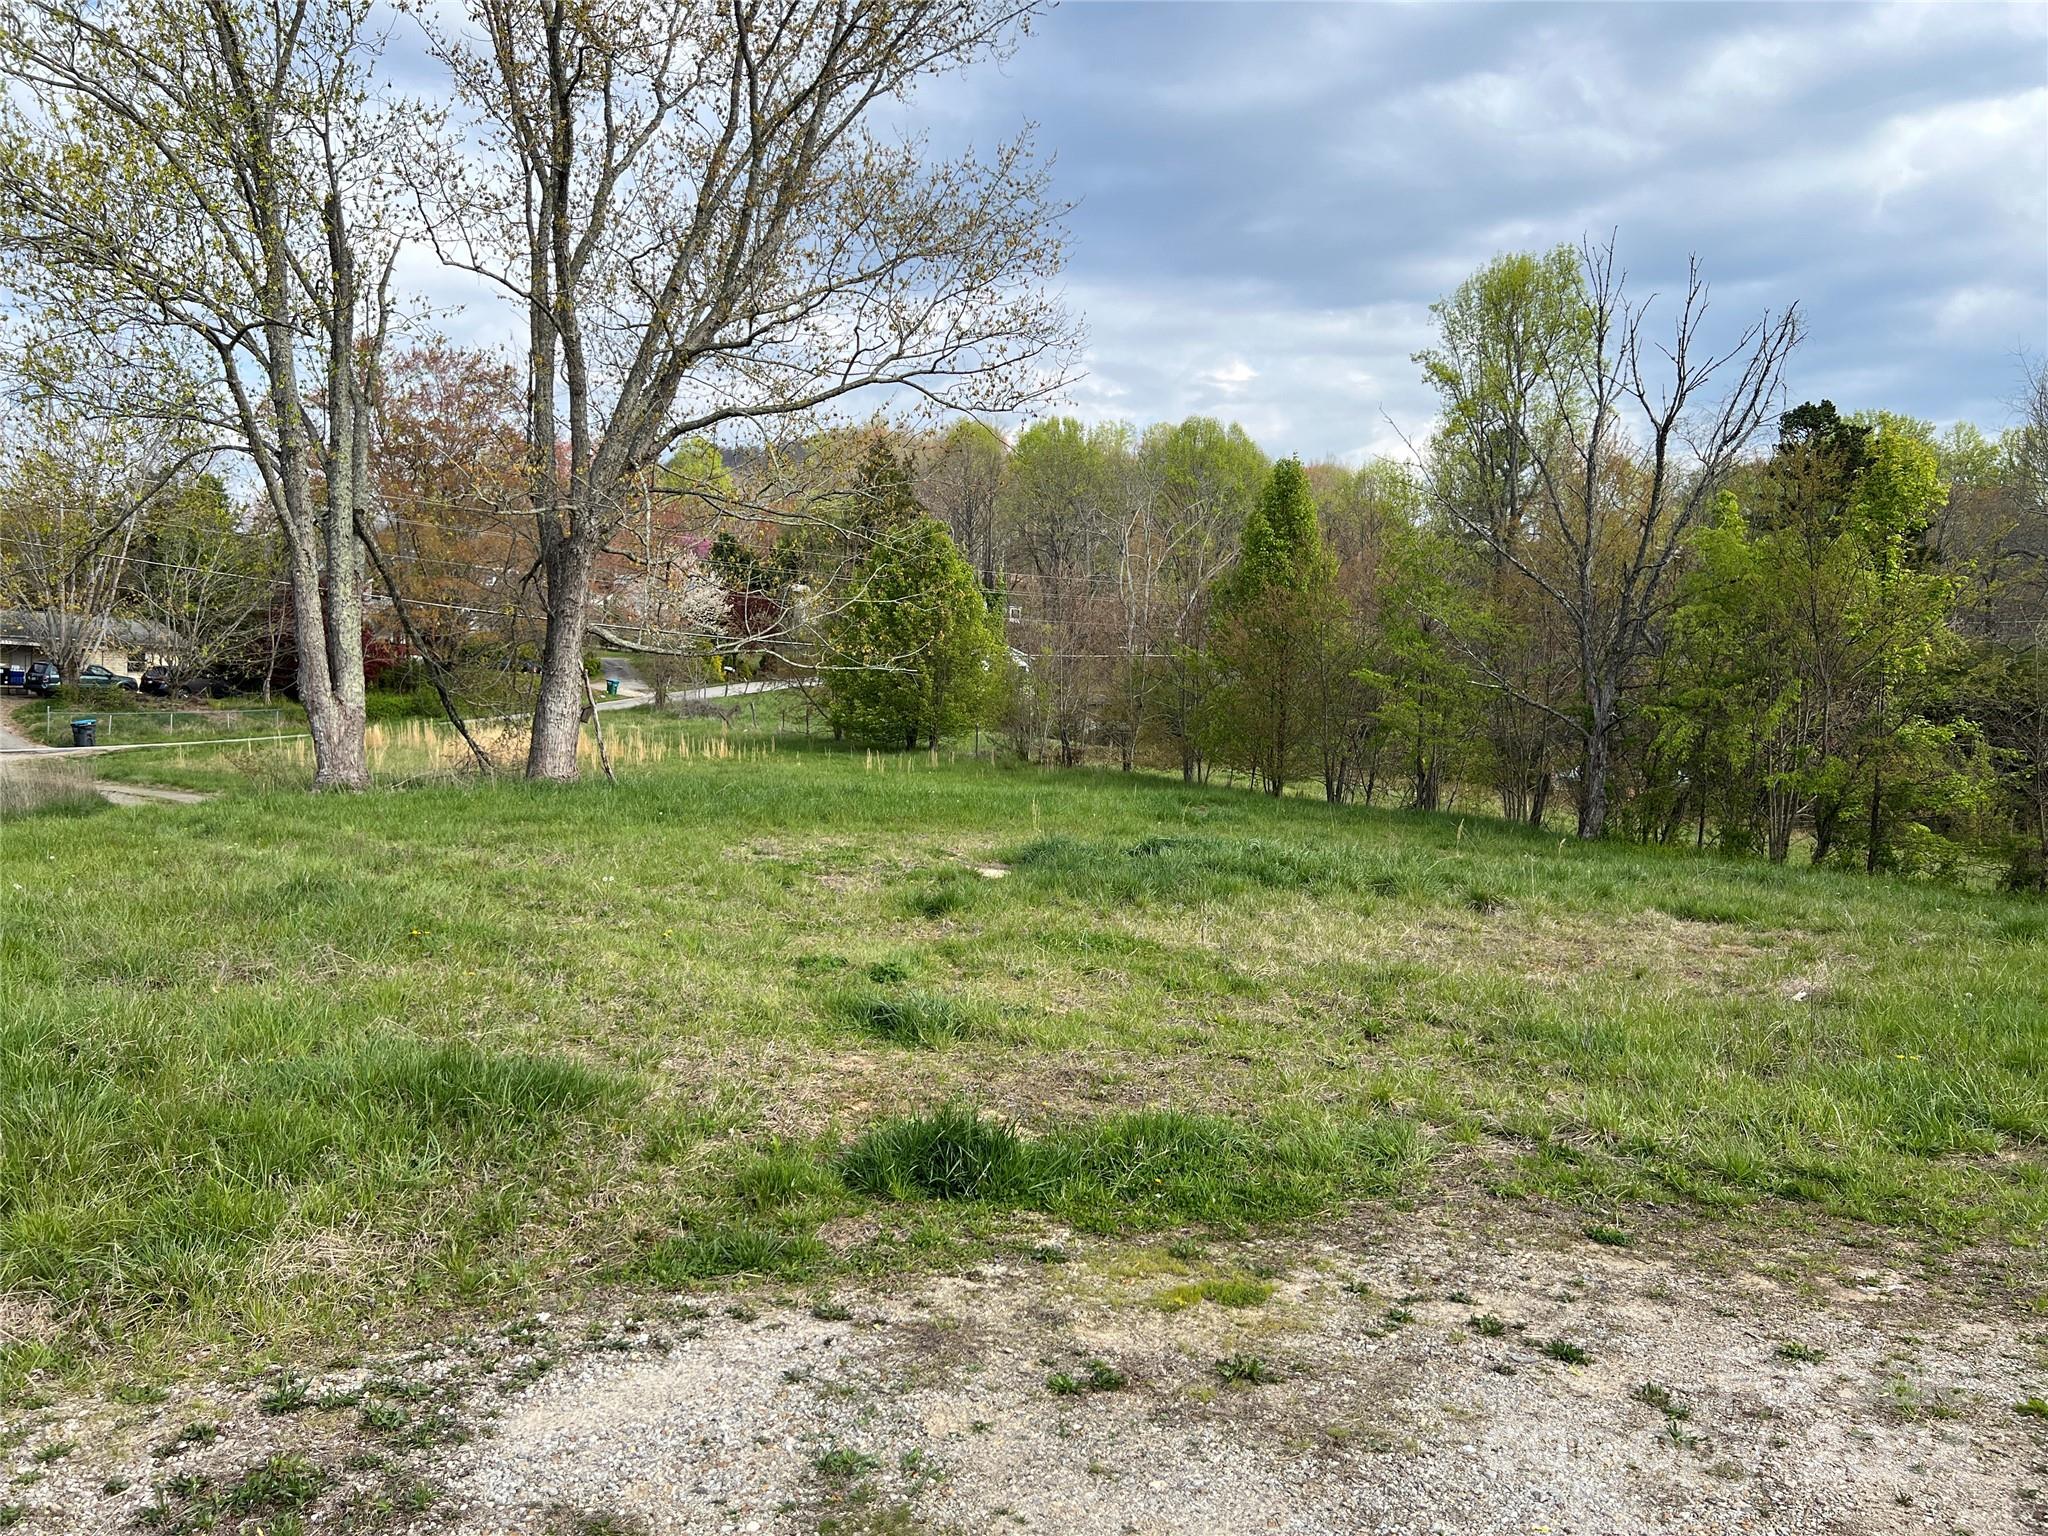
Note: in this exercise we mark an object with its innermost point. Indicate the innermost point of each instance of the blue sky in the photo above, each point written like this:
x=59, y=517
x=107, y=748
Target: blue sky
x=1270, y=196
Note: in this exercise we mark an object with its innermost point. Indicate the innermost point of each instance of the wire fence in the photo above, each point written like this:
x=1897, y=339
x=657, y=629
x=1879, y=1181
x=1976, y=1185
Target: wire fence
x=151, y=725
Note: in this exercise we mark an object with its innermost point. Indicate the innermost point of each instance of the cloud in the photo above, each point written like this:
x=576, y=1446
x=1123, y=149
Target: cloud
x=1231, y=377
x=1286, y=189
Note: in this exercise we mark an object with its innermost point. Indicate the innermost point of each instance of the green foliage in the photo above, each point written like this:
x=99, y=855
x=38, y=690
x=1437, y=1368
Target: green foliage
x=382, y=1029
x=1275, y=613
x=1810, y=643
x=730, y=1248
x=1246, y=1371
x=952, y=1154
x=912, y=651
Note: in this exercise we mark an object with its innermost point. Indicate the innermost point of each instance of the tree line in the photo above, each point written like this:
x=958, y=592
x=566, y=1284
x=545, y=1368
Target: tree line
x=1673, y=608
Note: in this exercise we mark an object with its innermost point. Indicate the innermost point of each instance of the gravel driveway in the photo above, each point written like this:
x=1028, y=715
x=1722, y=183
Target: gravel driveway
x=1487, y=1372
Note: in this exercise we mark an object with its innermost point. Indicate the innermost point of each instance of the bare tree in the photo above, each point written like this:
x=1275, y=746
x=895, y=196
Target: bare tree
x=688, y=202
x=1607, y=519
x=194, y=183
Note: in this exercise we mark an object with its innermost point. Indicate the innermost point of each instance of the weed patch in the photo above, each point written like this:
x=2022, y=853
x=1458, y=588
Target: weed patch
x=731, y=1248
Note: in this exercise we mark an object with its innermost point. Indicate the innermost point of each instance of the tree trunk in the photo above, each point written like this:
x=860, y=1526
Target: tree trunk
x=558, y=710
x=1593, y=766
x=1593, y=787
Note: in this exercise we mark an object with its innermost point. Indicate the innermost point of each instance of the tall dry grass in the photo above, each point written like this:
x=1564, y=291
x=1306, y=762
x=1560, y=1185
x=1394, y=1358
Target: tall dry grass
x=32, y=783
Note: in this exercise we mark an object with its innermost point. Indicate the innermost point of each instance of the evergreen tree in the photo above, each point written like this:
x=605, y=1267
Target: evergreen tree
x=912, y=650
x=1273, y=611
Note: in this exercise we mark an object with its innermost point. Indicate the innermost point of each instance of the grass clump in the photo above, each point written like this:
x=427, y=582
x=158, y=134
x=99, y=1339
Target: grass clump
x=843, y=1463
x=1800, y=1354
x=731, y=1248
x=916, y=1018
x=199, y=1432
x=947, y=894
x=1234, y=1291
x=288, y=1396
x=951, y=1154
x=1655, y=1395
x=1187, y=868
x=1097, y=1376
x=1486, y=1325
x=1147, y=1167
x=1246, y=1370
x=1567, y=1352
x=280, y=1483
x=784, y=1178
x=1609, y=1236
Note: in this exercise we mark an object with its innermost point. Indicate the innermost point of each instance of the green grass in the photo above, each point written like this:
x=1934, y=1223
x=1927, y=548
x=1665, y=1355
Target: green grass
x=268, y=1056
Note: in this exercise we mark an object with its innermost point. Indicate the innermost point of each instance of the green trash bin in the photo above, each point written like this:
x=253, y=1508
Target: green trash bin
x=85, y=733
x=611, y=687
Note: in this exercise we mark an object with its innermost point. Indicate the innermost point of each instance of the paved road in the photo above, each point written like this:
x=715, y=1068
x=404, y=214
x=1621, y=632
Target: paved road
x=632, y=697
x=12, y=740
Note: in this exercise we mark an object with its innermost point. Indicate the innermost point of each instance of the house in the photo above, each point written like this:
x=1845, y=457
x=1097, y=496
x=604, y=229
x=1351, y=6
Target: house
x=126, y=645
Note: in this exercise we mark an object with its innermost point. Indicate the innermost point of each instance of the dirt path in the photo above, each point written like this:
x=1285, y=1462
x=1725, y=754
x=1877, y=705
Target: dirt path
x=11, y=737
x=149, y=794
x=1425, y=1377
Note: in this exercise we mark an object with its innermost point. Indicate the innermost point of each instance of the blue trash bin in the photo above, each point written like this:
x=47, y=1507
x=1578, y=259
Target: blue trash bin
x=85, y=733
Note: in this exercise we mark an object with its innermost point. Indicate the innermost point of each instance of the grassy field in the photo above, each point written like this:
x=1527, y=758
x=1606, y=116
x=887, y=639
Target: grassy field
x=274, y=1067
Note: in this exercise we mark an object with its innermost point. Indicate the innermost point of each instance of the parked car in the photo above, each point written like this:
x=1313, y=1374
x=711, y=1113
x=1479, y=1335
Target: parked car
x=193, y=685
x=97, y=676
x=42, y=677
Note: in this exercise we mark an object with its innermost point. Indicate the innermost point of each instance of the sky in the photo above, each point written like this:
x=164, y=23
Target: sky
x=1269, y=197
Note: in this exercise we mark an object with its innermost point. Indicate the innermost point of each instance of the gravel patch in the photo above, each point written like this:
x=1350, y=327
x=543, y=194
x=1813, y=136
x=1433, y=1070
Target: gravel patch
x=1401, y=1375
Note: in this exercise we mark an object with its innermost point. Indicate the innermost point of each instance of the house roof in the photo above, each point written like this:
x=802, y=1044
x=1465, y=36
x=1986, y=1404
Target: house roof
x=19, y=625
